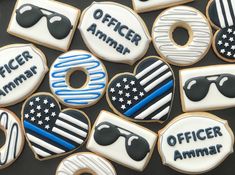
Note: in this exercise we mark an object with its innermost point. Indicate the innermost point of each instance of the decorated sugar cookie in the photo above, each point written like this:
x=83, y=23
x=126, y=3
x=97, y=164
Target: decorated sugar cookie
x=22, y=69
x=14, y=138
x=122, y=141
x=85, y=162
x=222, y=18
x=51, y=132
x=94, y=88
x=199, y=87
x=114, y=32
x=51, y=24
x=199, y=30
x=146, y=95
x=150, y=5
x=194, y=143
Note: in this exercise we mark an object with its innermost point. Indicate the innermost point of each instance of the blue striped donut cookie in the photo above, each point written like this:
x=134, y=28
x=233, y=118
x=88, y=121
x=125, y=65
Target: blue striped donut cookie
x=91, y=91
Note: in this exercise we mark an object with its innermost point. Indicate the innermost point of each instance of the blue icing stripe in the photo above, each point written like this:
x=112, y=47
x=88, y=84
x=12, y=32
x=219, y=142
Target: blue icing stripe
x=149, y=98
x=82, y=56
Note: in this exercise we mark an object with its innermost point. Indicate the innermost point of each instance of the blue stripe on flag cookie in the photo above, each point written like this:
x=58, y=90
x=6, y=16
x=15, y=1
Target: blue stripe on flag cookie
x=145, y=96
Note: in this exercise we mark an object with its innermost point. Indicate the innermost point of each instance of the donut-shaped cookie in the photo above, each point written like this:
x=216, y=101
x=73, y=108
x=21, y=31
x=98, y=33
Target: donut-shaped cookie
x=91, y=91
x=198, y=28
x=85, y=162
x=14, y=143
x=221, y=15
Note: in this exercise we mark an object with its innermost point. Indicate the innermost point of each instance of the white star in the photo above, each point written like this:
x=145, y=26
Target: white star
x=40, y=122
x=124, y=80
x=134, y=90
x=52, y=105
x=230, y=30
x=37, y=99
x=229, y=53
x=136, y=98
x=120, y=92
x=47, y=118
x=121, y=100
x=141, y=94
x=46, y=111
x=114, y=98
x=220, y=42
x=222, y=51
x=47, y=126
x=233, y=47
x=32, y=111
x=226, y=44
x=231, y=39
x=129, y=102
x=112, y=90
x=39, y=115
x=26, y=115
x=127, y=87
x=118, y=85
x=31, y=103
x=38, y=107
x=53, y=114
x=123, y=107
x=127, y=95
x=132, y=82
x=32, y=119
x=224, y=36
x=45, y=101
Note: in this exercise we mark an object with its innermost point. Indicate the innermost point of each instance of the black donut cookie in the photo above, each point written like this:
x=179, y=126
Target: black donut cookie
x=221, y=14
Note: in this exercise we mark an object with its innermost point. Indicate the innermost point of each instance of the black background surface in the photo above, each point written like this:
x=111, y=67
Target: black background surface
x=26, y=164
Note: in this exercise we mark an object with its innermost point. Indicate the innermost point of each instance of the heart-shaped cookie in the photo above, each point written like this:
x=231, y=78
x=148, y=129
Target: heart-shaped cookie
x=146, y=95
x=49, y=131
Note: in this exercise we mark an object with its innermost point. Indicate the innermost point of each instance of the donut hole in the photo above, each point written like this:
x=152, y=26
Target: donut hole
x=2, y=138
x=77, y=78
x=85, y=171
x=181, y=34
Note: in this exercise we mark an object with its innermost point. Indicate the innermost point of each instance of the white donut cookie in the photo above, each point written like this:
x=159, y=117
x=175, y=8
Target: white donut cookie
x=85, y=162
x=14, y=143
x=199, y=30
x=91, y=91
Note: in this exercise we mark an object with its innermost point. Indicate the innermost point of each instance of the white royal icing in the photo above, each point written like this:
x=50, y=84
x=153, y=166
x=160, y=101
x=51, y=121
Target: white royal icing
x=13, y=146
x=214, y=99
x=114, y=32
x=21, y=72
x=94, y=88
x=149, y=5
x=87, y=163
x=191, y=134
x=117, y=150
x=198, y=43
x=39, y=33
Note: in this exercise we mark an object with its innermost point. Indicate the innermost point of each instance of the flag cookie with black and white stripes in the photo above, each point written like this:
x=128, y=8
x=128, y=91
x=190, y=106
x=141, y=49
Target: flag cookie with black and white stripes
x=146, y=95
x=50, y=131
x=221, y=14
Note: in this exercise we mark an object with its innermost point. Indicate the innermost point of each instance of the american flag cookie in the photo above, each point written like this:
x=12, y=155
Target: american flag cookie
x=85, y=162
x=146, y=95
x=14, y=142
x=49, y=131
x=221, y=14
x=199, y=31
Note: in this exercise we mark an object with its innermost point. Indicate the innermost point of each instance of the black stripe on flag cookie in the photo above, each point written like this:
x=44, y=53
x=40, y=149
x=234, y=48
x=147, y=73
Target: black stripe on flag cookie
x=145, y=96
x=51, y=132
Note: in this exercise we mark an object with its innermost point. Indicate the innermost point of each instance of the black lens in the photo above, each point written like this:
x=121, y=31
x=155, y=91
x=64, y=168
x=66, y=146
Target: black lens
x=137, y=147
x=225, y=84
x=59, y=26
x=106, y=134
x=196, y=88
x=28, y=15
